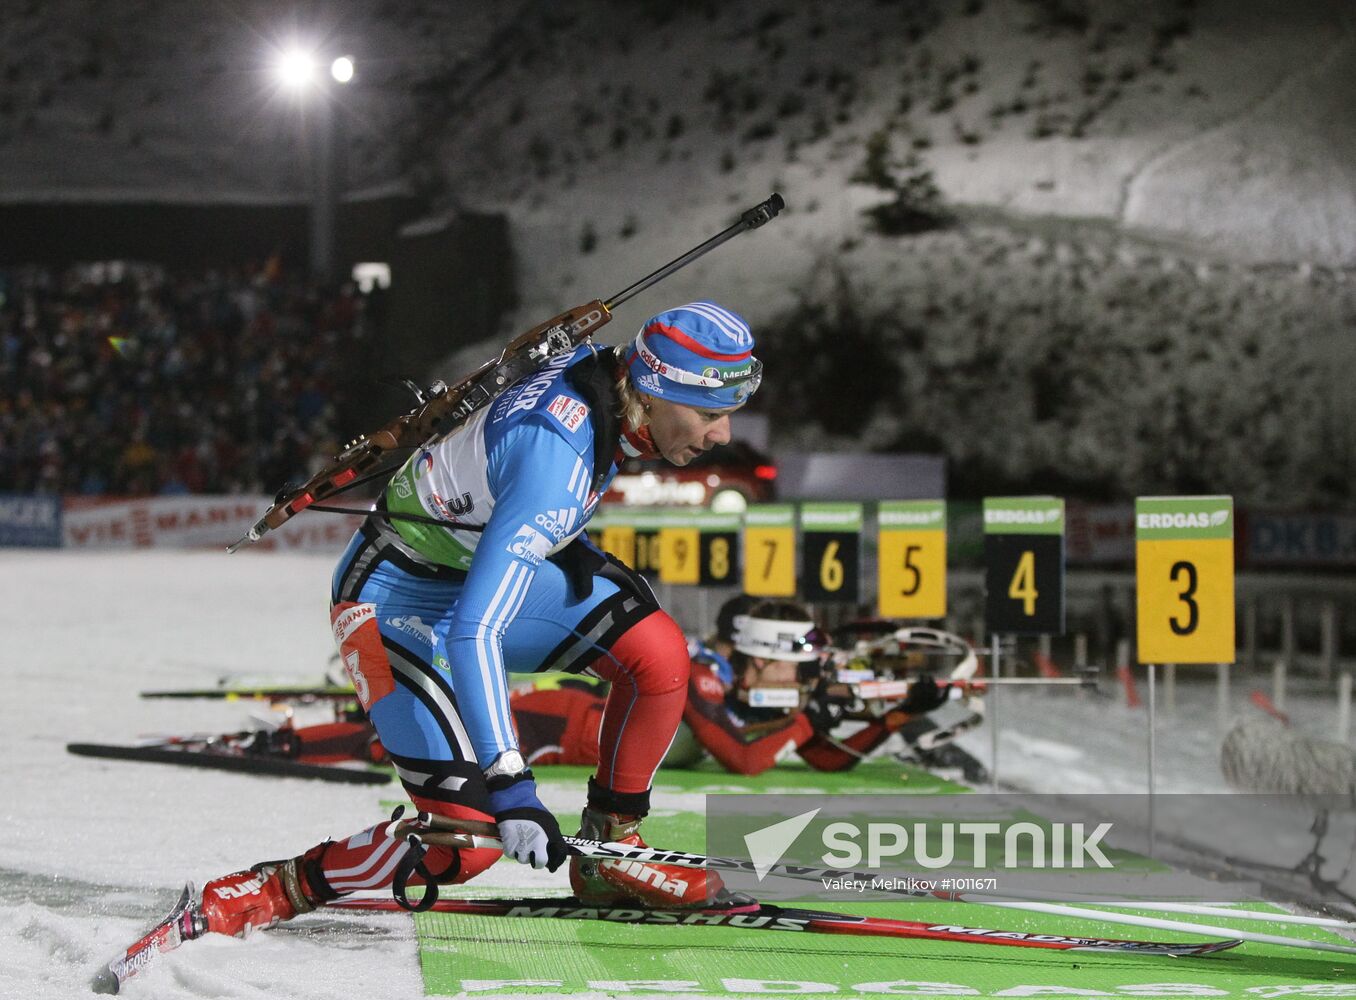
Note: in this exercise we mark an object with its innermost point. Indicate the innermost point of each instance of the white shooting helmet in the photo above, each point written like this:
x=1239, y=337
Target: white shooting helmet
x=769, y=639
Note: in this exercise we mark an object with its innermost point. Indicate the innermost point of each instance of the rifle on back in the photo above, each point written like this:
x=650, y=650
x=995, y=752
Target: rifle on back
x=445, y=407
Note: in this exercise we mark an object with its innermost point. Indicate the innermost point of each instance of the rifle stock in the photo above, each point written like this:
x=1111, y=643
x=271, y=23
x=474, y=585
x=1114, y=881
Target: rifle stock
x=438, y=414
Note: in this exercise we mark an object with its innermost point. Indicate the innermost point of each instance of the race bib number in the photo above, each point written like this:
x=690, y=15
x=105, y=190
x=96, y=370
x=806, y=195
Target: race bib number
x=361, y=651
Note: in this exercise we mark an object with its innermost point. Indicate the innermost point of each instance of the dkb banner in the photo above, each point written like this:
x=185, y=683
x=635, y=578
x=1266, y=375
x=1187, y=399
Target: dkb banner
x=31, y=521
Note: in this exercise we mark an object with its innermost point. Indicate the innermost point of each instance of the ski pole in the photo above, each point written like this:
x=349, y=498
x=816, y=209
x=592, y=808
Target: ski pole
x=470, y=833
x=1212, y=910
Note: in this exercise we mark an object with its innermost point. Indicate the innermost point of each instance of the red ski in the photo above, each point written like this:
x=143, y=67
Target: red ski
x=182, y=924
x=770, y=917
x=179, y=926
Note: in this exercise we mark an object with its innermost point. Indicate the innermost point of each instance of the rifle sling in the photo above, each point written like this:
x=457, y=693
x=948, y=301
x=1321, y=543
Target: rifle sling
x=380, y=511
x=594, y=378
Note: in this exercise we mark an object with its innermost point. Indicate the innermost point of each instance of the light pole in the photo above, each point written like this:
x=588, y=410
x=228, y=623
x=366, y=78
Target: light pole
x=298, y=70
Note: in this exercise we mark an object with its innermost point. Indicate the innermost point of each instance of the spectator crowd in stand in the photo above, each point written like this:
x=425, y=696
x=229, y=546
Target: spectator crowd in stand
x=135, y=380
x=1090, y=368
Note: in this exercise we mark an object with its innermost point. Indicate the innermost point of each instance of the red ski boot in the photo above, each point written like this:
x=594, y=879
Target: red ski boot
x=263, y=896
x=610, y=883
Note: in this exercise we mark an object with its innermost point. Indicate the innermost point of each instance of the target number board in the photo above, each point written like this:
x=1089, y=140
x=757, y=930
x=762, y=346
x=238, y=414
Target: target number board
x=831, y=550
x=770, y=550
x=1184, y=579
x=647, y=525
x=1024, y=565
x=911, y=569
x=630, y=535
x=719, y=540
x=679, y=548
x=616, y=535
x=699, y=547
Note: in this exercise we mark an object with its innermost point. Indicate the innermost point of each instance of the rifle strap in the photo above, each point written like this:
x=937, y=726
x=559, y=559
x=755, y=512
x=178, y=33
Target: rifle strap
x=595, y=379
x=380, y=511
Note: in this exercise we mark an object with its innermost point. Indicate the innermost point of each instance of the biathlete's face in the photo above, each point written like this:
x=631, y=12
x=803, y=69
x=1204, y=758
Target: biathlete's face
x=770, y=674
x=681, y=433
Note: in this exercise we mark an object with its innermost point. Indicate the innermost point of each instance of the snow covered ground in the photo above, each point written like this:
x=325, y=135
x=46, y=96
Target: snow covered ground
x=91, y=851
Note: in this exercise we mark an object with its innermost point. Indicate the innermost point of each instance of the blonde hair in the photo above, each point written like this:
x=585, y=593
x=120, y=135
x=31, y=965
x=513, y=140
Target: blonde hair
x=633, y=410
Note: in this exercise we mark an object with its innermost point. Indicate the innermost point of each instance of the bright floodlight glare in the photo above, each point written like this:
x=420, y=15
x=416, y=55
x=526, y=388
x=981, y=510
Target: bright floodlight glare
x=372, y=274
x=296, y=68
x=342, y=69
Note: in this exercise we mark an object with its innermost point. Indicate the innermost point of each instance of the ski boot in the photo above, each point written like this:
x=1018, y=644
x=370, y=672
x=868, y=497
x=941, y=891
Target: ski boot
x=667, y=887
x=262, y=896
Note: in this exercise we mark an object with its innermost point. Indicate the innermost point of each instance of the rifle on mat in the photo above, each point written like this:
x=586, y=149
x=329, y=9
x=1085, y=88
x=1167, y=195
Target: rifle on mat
x=447, y=406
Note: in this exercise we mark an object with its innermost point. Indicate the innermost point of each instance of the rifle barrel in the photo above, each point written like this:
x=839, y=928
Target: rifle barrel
x=579, y=321
x=751, y=219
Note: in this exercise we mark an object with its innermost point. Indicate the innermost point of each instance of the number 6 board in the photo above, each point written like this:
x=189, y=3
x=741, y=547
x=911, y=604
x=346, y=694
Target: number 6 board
x=830, y=556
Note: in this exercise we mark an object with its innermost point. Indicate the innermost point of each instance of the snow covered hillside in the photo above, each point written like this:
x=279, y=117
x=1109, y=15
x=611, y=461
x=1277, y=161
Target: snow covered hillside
x=1222, y=124
x=1146, y=209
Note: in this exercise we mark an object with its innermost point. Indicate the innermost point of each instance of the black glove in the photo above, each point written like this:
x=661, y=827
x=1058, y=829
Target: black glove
x=529, y=832
x=580, y=561
x=823, y=712
x=924, y=695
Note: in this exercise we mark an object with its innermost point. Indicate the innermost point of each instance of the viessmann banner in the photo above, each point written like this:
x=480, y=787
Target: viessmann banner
x=193, y=522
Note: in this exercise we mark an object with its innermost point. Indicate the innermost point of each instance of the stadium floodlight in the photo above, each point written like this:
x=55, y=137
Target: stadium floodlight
x=299, y=67
x=296, y=68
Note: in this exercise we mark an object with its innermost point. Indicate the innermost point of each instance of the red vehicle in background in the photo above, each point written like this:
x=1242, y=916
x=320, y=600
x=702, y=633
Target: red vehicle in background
x=725, y=479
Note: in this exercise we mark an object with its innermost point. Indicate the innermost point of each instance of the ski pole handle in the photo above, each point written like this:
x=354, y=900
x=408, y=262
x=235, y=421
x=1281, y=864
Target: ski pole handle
x=442, y=831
